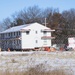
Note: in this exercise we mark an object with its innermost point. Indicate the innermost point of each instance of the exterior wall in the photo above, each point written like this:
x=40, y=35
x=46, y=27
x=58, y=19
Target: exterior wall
x=46, y=42
x=10, y=40
x=27, y=40
x=34, y=39
x=71, y=42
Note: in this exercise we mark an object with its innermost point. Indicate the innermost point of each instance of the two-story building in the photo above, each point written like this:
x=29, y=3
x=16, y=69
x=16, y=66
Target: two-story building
x=28, y=36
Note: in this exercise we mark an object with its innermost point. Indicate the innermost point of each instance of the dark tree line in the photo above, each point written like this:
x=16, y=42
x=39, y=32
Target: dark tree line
x=63, y=23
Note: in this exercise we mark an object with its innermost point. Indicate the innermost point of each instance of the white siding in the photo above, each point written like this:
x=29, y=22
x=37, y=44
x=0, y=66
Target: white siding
x=33, y=39
x=27, y=40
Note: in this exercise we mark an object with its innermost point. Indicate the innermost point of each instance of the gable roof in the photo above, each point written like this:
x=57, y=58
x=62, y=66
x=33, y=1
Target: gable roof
x=29, y=26
x=15, y=28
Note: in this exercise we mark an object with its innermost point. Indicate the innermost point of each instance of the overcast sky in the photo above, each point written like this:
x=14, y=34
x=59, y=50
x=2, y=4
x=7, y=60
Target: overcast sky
x=9, y=7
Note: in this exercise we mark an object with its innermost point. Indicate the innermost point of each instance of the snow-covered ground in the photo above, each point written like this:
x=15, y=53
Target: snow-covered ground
x=19, y=61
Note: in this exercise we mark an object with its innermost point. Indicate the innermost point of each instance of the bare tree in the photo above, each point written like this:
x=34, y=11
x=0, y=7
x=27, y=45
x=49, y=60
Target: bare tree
x=70, y=21
x=30, y=15
x=6, y=23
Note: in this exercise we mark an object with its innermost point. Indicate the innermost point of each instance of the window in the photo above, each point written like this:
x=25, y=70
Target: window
x=36, y=41
x=6, y=42
x=44, y=32
x=14, y=33
x=36, y=32
x=27, y=32
x=19, y=41
x=45, y=42
x=9, y=34
x=14, y=41
x=5, y=35
x=19, y=33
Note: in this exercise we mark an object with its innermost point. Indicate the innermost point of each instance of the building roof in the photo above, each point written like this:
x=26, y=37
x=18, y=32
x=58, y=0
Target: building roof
x=13, y=29
x=26, y=26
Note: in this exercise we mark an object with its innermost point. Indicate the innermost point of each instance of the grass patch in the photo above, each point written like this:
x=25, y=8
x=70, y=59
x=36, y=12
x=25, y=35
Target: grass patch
x=34, y=71
x=37, y=71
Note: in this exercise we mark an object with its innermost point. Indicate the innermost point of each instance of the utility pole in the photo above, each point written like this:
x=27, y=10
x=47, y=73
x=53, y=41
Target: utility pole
x=45, y=22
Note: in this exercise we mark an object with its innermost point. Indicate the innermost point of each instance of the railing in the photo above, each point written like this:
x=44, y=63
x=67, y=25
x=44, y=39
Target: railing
x=10, y=38
x=48, y=30
x=47, y=37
